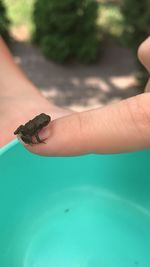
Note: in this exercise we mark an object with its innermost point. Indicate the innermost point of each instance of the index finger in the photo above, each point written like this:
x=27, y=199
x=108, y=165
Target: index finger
x=116, y=128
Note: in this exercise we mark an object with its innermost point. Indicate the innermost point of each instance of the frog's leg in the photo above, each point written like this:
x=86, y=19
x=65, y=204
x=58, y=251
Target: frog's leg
x=38, y=139
x=27, y=139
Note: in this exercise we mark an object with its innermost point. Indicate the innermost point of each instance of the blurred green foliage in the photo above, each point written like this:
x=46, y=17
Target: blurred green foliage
x=20, y=12
x=74, y=28
x=110, y=19
x=136, y=16
x=136, y=21
x=109, y=15
x=67, y=29
x=4, y=22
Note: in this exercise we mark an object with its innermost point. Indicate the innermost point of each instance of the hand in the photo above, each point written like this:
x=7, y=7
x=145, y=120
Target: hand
x=19, y=98
x=116, y=128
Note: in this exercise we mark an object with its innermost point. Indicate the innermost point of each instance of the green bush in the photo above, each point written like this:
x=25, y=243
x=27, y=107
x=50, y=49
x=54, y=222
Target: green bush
x=136, y=26
x=4, y=22
x=67, y=29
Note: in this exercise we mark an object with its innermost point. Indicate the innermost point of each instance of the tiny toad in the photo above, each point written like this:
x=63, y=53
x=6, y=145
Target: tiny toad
x=32, y=128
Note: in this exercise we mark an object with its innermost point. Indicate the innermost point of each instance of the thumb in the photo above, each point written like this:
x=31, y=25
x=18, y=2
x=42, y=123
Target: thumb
x=116, y=128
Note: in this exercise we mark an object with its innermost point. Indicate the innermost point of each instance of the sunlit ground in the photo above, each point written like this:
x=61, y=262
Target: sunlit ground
x=76, y=86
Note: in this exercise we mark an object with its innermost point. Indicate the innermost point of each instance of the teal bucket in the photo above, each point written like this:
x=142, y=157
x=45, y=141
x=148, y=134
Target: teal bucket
x=87, y=211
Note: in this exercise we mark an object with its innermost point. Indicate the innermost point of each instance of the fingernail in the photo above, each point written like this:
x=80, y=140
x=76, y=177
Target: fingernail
x=44, y=133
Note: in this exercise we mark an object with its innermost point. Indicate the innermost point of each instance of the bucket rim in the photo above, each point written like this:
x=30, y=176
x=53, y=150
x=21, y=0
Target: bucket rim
x=8, y=146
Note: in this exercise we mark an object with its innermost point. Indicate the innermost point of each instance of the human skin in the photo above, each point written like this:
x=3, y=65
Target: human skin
x=20, y=100
x=116, y=128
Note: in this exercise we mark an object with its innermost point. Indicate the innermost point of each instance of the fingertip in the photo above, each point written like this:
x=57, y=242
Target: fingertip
x=63, y=139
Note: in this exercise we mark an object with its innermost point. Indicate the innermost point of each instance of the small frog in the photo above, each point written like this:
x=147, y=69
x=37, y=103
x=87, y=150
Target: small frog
x=32, y=127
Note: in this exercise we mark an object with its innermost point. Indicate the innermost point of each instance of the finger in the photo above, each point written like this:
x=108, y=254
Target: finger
x=144, y=53
x=120, y=127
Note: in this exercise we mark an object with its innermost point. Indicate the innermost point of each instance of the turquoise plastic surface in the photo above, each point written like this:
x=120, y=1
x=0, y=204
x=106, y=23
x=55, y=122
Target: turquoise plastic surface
x=88, y=211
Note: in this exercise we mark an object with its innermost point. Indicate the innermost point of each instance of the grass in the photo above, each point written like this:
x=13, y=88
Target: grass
x=110, y=18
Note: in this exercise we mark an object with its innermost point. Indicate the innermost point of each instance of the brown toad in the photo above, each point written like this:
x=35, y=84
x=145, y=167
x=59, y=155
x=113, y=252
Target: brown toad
x=32, y=128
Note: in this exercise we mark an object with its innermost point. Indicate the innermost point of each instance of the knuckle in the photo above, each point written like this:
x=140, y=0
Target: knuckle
x=79, y=123
x=83, y=132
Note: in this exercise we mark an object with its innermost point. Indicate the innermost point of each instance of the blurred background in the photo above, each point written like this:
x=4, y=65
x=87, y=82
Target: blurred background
x=80, y=53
